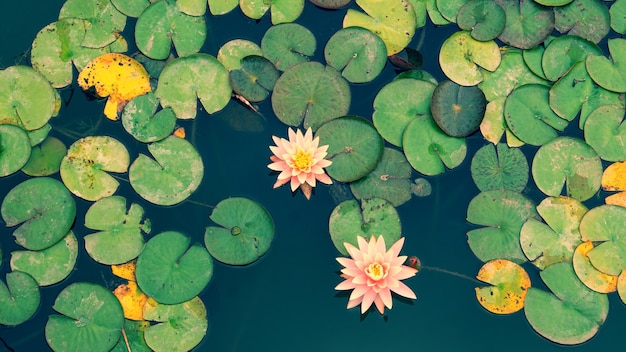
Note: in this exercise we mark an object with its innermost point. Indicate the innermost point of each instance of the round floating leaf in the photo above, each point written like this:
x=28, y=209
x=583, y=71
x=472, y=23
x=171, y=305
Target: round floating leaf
x=173, y=175
x=254, y=79
x=45, y=209
x=374, y=216
x=390, y=180
x=571, y=161
x=394, y=21
x=485, y=19
x=119, y=238
x=354, y=147
x=605, y=224
x=509, y=281
x=104, y=21
x=141, y=119
x=19, y=298
x=163, y=23
x=91, y=319
x=421, y=187
x=614, y=177
x=461, y=55
x=282, y=10
x=605, y=131
x=588, y=274
x=246, y=233
x=527, y=23
x=232, y=52
x=607, y=73
x=502, y=212
x=617, y=12
x=311, y=92
x=26, y=98
x=499, y=167
x=359, y=54
x=48, y=266
x=572, y=314
x=429, y=150
x=330, y=4
x=563, y=52
x=45, y=158
x=179, y=327
x=84, y=168
x=15, y=149
x=172, y=272
x=186, y=79
x=131, y=8
x=221, y=7
x=288, y=44
x=457, y=110
x=585, y=18
x=555, y=240
x=399, y=102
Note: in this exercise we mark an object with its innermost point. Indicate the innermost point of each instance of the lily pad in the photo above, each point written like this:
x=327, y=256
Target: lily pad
x=288, y=44
x=131, y=8
x=509, y=284
x=588, y=19
x=499, y=167
x=104, y=22
x=614, y=177
x=330, y=4
x=572, y=313
x=19, y=298
x=255, y=78
x=232, y=52
x=374, y=216
x=15, y=149
x=172, y=272
x=429, y=150
x=563, y=52
x=354, y=147
x=588, y=274
x=281, y=10
x=246, y=233
x=310, y=92
x=359, y=54
x=45, y=209
x=84, y=168
x=604, y=225
x=461, y=56
x=456, y=109
x=221, y=7
x=421, y=187
x=607, y=73
x=51, y=265
x=571, y=161
x=605, y=132
x=527, y=23
x=485, y=19
x=90, y=318
x=45, y=158
x=502, y=212
x=141, y=119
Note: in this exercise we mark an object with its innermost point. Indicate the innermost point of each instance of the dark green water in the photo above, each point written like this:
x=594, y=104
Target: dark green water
x=286, y=301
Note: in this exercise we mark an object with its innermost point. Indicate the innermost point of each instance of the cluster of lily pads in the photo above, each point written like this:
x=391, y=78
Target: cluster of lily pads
x=516, y=68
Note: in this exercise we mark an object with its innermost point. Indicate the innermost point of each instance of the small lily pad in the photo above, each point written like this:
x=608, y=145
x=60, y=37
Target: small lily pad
x=461, y=56
x=614, y=177
x=359, y=54
x=246, y=233
x=604, y=225
x=178, y=327
x=605, y=132
x=141, y=119
x=255, y=78
x=15, y=149
x=232, y=52
x=104, y=22
x=19, y=298
x=499, y=167
x=485, y=19
x=281, y=10
x=610, y=73
x=509, y=284
x=221, y=7
x=456, y=109
x=288, y=44
x=588, y=274
x=584, y=18
x=563, y=52
x=45, y=158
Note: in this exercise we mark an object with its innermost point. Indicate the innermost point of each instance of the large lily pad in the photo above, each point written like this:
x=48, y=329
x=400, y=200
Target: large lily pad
x=499, y=167
x=246, y=233
x=585, y=18
x=15, y=149
x=456, y=109
x=19, y=298
x=563, y=52
x=359, y=54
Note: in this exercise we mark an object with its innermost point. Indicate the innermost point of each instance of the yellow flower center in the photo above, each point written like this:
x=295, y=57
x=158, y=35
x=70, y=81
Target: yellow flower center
x=375, y=271
x=302, y=160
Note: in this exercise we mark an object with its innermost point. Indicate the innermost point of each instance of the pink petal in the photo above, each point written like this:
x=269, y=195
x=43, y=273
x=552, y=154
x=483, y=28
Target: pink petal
x=353, y=272
x=324, y=179
x=385, y=296
x=354, y=302
x=294, y=184
x=395, y=249
x=345, y=285
x=359, y=291
x=405, y=273
x=362, y=244
x=346, y=262
x=379, y=305
x=280, y=182
x=368, y=299
x=404, y=290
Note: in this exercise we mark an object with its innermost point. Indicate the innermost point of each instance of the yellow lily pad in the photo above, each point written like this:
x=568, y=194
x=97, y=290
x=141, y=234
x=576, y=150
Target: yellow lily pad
x=116, y=76
x=509, y=281
x=618, y=199
x=132, y=300
x=588, y=274
x=614, y=177
x=125, y=271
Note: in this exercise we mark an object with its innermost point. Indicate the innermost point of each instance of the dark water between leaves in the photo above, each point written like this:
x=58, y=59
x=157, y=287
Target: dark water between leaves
x=286, y=301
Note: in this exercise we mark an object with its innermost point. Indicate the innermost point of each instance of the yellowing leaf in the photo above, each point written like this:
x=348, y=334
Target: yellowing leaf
x=125, y=271
x=179, y=132
x=510, y=284
x=618, y=199
x=132, y=300
x=614, y=177
x=117, y=76
x=621, y=286
x=588, y=274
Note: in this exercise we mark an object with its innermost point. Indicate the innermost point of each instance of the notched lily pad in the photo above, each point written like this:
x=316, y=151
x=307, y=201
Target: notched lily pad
x=359, y=54
x=19, y=298
x=456, y=109
x=499, y=167
x=509, y=284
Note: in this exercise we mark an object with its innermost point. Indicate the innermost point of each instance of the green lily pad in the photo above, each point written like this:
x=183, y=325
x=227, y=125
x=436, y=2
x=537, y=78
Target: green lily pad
x=354, y=147
x=119, y=238
x=232, y=52
x=375, y=216
x=485, y=19
x=221, y=7
x=359, y=54
x=282, y=11
x=398, y=103
x=390, y=180
x=588, y=274
x=26, y=98
x=429, y=150
x=461, y=56
x=179, y=327
x=456, y=109
x=527, y=23
x=529, y=117
x=572, y=313
x=588, y=19
x=555, y=240
x=254, y=79
x=393, y=21
x=330, y=4
x=434, y=14
x=51, y=265
x=310, y=92
x=19, y=298
x=45, y=158
x=609, y=74
x=571, y=161
x=499, y=167
x=563, y=52
x=45, y=209
x=617, y=12
x=84, y=168
x=192, y=7
x=104, y=22
x=502, y=212
x=131, y=8
x=421, y=187
x=15, y=149
x=186, y=79
x=142, y=121
x=173, y=175
x=134, y=331
x=288, y=44
x=246, y=233
x=90, y=318
x=605, y=132
x=162, y=24
x=172, y=272
x=604, y=224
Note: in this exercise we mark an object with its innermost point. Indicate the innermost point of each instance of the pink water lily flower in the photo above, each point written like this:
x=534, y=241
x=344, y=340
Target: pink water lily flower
x=374, y=272
x=300, y=161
